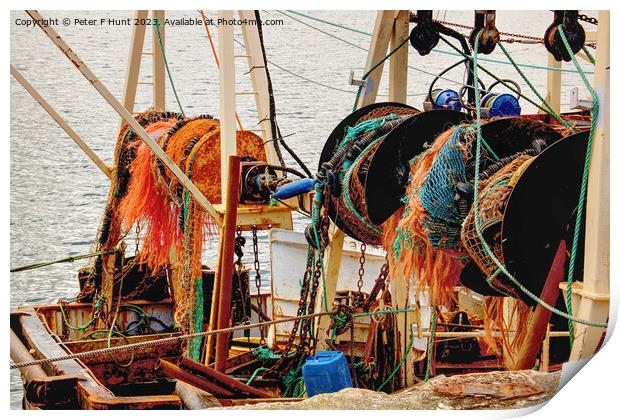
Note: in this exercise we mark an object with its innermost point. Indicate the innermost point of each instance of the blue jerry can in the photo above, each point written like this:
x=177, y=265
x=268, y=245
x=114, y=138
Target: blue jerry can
x=326, y=372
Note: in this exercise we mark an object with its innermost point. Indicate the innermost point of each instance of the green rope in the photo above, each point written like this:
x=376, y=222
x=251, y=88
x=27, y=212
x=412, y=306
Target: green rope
x=386, y=311
x=486, y=246
x=163, y=53
x=584, y=186
x=380, y=62
x=490, y=60
x=293, y=382
x=550, y=109
x=62, y=260
x=589, y=55
x=255, y=374
x=400, y=363
x=346, y=196
x=82, y=328
x=431, y=344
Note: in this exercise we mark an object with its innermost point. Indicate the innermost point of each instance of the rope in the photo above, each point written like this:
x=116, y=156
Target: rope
x=62, y=260
x=160, y=341
x=584, y=185
x=589, y=55
x=380, y=62
x=430, y=350
x=255, y=374
x=154, y=343
x=400, y=363
x=486, y=246
x=82, y=328
x=163, y=53
x=386, y=311
x=490, y=60
x=550, y=109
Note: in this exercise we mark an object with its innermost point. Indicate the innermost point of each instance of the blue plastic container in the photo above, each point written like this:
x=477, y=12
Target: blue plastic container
x=326, y=372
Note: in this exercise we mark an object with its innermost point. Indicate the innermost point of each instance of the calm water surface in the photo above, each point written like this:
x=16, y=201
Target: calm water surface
x=57, y=194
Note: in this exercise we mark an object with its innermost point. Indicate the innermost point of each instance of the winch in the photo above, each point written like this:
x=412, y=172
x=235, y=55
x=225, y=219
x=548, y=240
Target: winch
x=500, y=105
x=443, y=99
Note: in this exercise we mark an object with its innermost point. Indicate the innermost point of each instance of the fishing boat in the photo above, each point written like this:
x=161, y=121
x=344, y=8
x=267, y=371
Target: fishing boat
x=423, y=254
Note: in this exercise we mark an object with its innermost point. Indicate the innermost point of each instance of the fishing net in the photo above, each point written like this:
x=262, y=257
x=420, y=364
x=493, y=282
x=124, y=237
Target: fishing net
x=170, y=216
x=421, y=248
x=508, y=317
x=172, y=226
x=384, y=111
x=111, y=229
x=493, y=196
x=346, y=194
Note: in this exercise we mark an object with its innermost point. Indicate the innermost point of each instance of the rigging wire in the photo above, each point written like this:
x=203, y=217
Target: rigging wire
x=491, y=60
x=163, y=53
x=217, y=60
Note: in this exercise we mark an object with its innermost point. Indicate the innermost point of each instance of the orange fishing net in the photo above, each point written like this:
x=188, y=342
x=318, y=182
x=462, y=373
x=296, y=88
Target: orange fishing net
x=168, y=214
x=411, y=254
x=509, y=317
x=155, y=197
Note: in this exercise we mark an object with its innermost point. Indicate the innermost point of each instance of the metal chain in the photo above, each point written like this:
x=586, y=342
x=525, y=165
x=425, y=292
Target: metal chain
x=138, y=230
x=588, y=19
x=239, y=244
x=360, y=281
x=380, y=284
x=257, y=278
x=301, y=309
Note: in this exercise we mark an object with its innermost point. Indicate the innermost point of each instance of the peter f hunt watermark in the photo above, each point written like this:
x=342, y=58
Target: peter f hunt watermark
x=182, y=21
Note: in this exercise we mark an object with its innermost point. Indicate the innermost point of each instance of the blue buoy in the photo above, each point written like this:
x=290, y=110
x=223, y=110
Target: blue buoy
x=326, y=372
x=294, y=188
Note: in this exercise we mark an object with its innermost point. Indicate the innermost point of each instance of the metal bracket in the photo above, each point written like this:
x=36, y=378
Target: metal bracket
x=356, y=82
x=581, y=104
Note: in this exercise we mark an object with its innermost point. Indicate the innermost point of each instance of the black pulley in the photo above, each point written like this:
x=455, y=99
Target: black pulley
x=573, y=31
x=424, y=37
x=484, y=23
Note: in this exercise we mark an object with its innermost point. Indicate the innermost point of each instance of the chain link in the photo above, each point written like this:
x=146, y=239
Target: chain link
x=588, y=19
x=257, y=278
x=380, y=284
x=138, y=230
x=239, y=244
x=360, y=281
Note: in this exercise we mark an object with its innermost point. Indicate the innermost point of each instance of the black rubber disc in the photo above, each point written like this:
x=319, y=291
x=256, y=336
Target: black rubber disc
x=329, y=148
x=506, y=136
x=388, y=173
x=540, y=209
